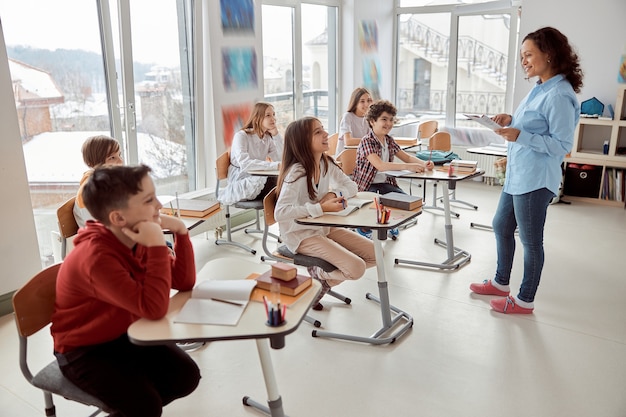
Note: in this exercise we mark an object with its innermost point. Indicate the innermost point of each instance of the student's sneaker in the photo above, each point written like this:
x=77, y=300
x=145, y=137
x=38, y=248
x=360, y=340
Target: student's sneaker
x=365, y=232
x=487, y=288
x=393, y=233
x=507, y=306
x=315, y=272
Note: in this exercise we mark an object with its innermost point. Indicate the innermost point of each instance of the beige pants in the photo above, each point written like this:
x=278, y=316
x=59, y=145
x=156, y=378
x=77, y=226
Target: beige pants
x=350, y=252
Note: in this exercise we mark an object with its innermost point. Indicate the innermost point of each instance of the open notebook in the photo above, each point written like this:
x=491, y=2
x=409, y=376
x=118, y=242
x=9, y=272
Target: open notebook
x=352, y=205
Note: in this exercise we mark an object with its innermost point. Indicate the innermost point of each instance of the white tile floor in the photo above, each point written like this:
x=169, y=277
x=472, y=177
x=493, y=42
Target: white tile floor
x=459, y=359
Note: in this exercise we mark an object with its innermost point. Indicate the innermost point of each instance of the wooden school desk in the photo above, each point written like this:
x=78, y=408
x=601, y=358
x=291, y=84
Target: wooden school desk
x=251, y=326
x=365, y=217
x=456, y=256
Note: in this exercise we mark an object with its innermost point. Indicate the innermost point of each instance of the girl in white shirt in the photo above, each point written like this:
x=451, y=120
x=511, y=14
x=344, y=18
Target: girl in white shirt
x=309, y=184
x=252, y=146
x=353, y=125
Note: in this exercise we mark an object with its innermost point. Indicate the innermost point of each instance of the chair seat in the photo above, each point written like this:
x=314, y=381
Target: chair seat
x=249, y=204
x=52, y=380
x=305, y=260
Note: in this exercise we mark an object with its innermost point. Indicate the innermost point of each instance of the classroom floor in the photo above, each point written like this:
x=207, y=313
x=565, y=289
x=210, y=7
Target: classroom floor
x=459, y=359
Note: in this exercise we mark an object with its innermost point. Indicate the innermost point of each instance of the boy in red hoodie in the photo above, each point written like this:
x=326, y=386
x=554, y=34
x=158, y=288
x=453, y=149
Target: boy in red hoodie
x=121, y=270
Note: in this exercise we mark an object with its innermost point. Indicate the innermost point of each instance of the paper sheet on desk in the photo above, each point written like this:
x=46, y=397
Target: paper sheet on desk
x=216, y=302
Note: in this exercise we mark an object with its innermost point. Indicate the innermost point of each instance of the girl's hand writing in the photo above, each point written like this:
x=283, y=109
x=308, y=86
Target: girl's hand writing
x=333, y=204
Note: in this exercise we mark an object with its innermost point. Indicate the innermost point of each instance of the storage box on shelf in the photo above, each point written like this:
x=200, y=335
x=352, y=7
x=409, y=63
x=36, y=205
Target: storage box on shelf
x=592, y=172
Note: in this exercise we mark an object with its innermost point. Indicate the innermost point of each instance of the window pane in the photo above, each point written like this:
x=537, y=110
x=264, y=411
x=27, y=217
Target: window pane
x=318, y=61
x=57, y=69
x=164, y=133
x=482, y=64
x=423, y=65
x=278, y=66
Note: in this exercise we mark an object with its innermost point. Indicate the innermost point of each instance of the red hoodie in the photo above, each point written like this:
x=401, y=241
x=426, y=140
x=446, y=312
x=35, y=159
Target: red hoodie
x=103, y=286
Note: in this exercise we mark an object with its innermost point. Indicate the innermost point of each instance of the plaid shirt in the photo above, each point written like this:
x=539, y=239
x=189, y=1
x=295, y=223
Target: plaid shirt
x=364, y=172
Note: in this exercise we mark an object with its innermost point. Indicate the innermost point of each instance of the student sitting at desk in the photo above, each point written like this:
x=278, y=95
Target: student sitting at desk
x=353, y=125
x=252, y=146
x=376, y=154
x=119, y=271
x=304, y=189
x=97, y=151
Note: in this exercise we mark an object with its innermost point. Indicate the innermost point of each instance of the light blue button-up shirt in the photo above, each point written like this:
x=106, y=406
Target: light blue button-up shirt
x=546, y=118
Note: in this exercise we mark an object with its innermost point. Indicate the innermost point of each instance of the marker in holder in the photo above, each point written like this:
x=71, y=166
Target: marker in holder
x=382, y=213
x=274, y=311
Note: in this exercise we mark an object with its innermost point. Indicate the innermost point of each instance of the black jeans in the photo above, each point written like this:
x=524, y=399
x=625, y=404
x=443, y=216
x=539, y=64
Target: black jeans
x=135, y=381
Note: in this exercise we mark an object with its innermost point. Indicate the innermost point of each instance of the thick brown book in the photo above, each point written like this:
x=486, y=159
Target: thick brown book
x=292, y=287
x=191, y=207
x=284, y=271
x=401, y=201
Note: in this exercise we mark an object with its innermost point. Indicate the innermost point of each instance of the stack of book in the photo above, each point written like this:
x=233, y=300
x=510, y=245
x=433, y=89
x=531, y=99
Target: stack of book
x=401, y=201
x=291, y=283
x=462, y=166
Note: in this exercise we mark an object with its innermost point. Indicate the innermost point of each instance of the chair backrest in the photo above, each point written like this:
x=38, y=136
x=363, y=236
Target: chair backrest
x=332, y=144
x=269, y=204
x=221, y=165
x=347, y=157
x=67, y=222
x=34, y=302
x=427, y=129
x=440, y=141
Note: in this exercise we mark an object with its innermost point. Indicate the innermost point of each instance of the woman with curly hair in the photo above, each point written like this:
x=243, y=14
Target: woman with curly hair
x=539, y=135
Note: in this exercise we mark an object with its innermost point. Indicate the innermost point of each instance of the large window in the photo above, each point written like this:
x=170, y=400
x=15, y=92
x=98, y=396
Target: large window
x=300, y=81
x=455, y=59
x=81, y=73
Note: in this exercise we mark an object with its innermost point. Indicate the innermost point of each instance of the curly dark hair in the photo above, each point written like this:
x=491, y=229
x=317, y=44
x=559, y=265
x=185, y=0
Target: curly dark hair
x=563, y=58
x=379, y=107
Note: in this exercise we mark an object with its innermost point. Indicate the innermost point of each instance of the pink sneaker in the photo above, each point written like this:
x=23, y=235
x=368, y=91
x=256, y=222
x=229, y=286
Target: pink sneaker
x=487, y=289
x=507, y=306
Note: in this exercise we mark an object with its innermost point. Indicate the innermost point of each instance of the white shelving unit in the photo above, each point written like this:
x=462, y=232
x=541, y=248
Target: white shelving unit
x=589, y=161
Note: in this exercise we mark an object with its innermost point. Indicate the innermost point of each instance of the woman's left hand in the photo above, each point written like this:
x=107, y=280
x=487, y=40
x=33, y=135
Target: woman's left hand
x=508, y=133
x=430, y=165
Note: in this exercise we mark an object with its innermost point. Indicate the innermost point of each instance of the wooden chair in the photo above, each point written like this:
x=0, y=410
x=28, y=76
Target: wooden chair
x=283, y=254
x=426, y=129
x=33, y=305
x=347, y=160
x=439, y=141
x=332, y=144
x=221, y=165
x=443, y=142
x=67, y=223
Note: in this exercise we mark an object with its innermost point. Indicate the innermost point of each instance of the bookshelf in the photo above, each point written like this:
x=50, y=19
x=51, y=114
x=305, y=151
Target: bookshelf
x=591, y=174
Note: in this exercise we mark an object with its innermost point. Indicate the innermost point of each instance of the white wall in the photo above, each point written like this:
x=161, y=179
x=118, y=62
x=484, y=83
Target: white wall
x=597, y=31
x=19, y=250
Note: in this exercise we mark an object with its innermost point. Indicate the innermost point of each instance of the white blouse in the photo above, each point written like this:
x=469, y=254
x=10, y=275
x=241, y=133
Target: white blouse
x=294, y=202
x=248, y=153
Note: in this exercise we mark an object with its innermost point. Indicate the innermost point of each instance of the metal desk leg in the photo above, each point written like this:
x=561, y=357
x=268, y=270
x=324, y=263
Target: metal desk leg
x=274, y=401
x=389, y=322
x=457, y=257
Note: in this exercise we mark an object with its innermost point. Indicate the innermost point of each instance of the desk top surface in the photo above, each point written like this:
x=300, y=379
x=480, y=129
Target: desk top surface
x=265, y=172
x=489, y=150
x=251, y=325
x=437, y=175
x=364, y=217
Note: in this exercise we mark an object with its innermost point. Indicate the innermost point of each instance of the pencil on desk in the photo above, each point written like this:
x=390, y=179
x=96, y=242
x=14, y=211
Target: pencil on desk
x=177, y=206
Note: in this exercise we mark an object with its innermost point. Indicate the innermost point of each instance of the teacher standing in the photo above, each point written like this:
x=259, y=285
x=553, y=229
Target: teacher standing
x=539, y=135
